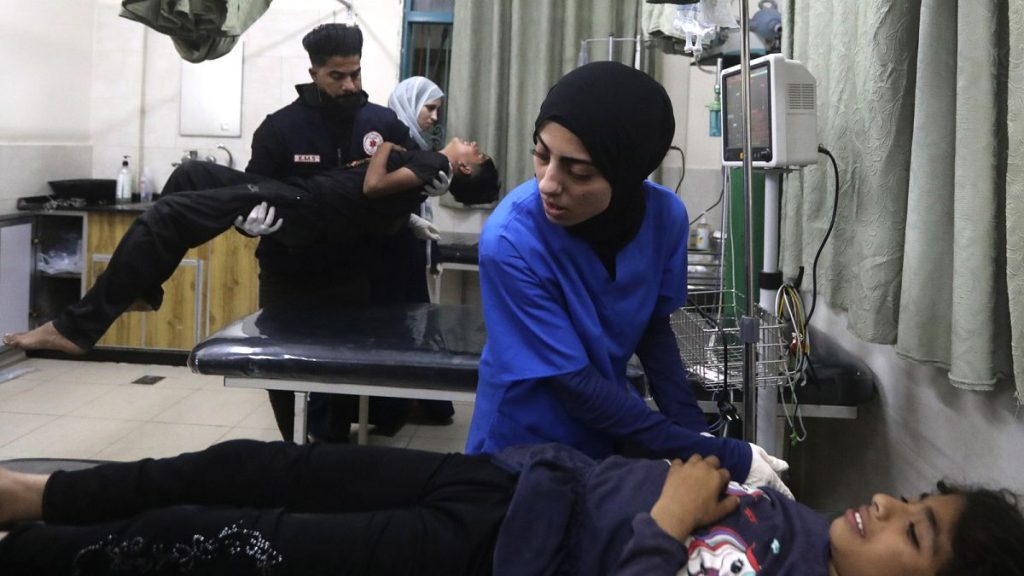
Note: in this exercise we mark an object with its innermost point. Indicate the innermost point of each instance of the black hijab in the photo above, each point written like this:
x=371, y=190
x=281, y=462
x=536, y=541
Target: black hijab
x=624, y=119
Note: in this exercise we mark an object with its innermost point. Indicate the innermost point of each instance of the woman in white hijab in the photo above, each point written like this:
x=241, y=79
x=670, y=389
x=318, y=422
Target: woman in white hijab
x=417, y=100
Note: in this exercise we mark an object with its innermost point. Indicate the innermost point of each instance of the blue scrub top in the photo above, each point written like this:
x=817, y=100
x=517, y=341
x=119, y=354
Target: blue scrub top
x=551, y=308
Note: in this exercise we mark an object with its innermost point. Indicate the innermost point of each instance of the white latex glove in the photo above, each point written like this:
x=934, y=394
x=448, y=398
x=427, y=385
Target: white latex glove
x=260, y=221
x=423, y=229
x=439, y=185
x=765, y=470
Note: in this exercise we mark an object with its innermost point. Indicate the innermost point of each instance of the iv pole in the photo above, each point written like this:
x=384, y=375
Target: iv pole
x=749, y=324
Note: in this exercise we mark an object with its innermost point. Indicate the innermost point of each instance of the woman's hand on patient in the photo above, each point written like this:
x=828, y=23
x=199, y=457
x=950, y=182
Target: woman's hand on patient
x=692, y=496
x=260, y=221
x=765, y=470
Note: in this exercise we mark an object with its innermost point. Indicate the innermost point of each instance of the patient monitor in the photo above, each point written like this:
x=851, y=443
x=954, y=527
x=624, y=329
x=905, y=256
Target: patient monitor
x=783, y=119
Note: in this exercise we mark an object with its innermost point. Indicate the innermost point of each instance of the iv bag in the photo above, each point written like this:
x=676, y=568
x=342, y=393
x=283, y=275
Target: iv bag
x=694, y=21
x=716, y=13
x=687, y=25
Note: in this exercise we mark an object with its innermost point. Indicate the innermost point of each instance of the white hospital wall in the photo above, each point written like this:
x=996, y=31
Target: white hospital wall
x=45, y=71
x=83, y=86
x=139, y=114
x=920, y=429
x=691, y=89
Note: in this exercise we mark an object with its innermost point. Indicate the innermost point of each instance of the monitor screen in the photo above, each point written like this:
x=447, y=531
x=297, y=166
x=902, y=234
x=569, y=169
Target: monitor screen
x=760, y=113
x=783, y=118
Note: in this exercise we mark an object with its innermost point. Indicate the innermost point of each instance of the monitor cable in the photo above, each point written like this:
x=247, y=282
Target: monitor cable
x=831, y=225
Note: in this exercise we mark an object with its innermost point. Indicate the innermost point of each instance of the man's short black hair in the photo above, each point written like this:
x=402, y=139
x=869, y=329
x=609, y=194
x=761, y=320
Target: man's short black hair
x=481, y=186
x=327, y=40
x=989, y=536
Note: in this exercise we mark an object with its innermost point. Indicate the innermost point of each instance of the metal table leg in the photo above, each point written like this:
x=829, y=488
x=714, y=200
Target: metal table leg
x=364, y=418
x=299, y=428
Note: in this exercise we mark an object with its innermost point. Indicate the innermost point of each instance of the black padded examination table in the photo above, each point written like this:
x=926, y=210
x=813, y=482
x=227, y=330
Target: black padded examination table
x=429, y=351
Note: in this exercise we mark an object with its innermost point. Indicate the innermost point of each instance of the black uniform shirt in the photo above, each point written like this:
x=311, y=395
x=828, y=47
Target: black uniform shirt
x=299, y=140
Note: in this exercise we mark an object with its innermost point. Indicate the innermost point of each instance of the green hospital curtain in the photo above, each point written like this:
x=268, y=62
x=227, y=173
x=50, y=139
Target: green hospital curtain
x=1015, y=189
x=506, y=54
x=921, y=102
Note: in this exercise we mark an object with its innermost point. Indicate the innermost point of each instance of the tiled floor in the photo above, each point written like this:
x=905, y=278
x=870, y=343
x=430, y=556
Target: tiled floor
x=91, y=410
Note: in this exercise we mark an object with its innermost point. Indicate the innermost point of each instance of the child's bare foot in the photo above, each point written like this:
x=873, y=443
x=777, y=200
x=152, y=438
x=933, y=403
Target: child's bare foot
x=45, y=337
x=21, y=496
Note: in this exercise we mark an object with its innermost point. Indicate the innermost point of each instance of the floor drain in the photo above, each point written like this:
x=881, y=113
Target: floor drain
x=148, y=380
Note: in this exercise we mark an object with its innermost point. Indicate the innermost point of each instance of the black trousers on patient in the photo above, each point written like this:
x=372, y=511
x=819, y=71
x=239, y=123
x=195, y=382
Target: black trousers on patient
x=247, y=507
x=155, y=243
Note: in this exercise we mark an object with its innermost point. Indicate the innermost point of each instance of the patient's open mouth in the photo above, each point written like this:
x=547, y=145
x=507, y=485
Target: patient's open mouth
x=856, y=520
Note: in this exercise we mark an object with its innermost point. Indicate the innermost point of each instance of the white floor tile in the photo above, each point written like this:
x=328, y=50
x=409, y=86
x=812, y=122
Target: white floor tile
x=183, y=378
x=220, y=406
x=69, y=437
x=239, y=432
x=111, y=372
x=136, y=402
x=261, y=417
x=12, y=387
x=79, y=409
x=159, y=440
x=161, y=370
x=14, y=426
x=46, y=369
x=53, y=397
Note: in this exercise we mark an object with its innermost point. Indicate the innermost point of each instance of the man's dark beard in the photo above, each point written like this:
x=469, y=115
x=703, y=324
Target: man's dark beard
x=342, y=107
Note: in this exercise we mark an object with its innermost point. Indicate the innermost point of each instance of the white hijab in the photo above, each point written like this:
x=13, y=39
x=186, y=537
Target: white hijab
x=406, y=100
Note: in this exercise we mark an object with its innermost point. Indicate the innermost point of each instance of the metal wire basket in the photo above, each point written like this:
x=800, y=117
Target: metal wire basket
x=708, y=333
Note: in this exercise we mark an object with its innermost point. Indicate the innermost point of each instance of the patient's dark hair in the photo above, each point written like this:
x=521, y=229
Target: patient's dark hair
x=989, y=536
x=480, y=186
x=327, y=40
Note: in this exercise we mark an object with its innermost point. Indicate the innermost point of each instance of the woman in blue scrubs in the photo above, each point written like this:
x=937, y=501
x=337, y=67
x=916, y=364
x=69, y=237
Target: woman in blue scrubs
x=580, y=268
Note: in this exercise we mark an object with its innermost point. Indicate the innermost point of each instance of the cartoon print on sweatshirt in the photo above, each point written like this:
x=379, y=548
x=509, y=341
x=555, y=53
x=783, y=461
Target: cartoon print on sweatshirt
x=720, y=550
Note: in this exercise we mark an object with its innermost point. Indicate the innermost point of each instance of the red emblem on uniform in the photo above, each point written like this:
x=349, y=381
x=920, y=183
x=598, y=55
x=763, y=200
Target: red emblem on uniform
x=371, y=142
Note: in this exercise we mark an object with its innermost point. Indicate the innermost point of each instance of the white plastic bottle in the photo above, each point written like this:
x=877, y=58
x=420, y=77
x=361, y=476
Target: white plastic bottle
x=146, y=186
x=703, y=240
x=124, y=184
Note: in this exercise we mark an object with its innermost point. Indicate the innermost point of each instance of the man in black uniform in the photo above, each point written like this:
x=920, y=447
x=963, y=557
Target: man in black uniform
x=329, y=125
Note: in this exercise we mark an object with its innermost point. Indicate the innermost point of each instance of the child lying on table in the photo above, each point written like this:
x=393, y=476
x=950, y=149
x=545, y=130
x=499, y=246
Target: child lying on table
x=246, y=507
